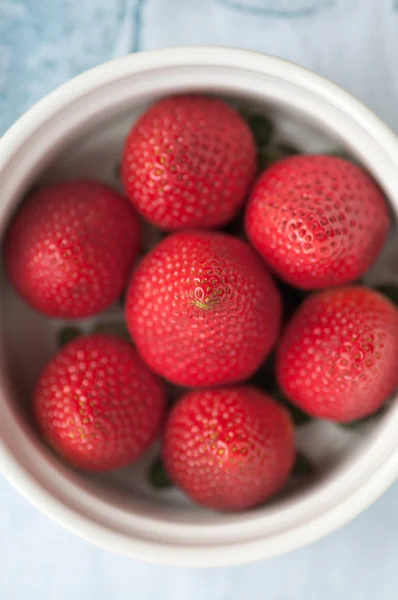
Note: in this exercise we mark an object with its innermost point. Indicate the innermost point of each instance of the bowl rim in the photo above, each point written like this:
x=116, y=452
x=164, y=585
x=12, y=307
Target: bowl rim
x=372, y=475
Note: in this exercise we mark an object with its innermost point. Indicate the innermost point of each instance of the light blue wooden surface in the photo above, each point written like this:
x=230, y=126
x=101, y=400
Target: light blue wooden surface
x=42, y=44
x=41, y=561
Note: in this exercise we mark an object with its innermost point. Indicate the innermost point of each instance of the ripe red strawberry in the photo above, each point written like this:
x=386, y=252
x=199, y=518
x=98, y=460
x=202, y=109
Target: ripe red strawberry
x=229, y=448
x=318, y=221
x=202, y=309
x=338, y=357
x=71, y=248
x=97, y=404
x=189, y=162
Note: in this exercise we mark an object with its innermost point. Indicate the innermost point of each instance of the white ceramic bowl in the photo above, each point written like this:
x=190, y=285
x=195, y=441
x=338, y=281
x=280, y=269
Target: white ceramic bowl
x=78, y=130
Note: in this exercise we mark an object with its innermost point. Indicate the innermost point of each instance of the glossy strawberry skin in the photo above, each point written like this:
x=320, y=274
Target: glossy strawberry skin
x=71, y=248
x=202, y=309
x=229, y=448
x=188, y=162
x=318, y=221
x=97, y=404
x=338, y=356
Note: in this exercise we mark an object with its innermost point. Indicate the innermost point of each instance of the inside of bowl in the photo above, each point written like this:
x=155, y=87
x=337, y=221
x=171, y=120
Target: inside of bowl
x=31, y=339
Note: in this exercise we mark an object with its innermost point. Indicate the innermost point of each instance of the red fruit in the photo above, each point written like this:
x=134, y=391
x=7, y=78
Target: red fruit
x=318, y=221
x=202, y=309
x=71, y=248
x=229, y=448
x=189, y=162
x=97, y=404
x=338, y=357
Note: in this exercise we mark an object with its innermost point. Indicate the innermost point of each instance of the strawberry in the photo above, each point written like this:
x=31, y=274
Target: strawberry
x=202, y=309
x=189, y=162
x=229, y=448
x=338, y=355
x=318, y=221
x=71, y=248
x=97, y=404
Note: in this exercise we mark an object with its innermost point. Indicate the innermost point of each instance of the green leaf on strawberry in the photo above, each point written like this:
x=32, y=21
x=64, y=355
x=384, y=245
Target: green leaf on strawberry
x=67, y=334
x=265, y=379
x=158, y=476
x=292, y=299
x=303, y=466
x=299, y=417
x=236, y=225
x=115, y=327
x=271, y=154
x=262, y=129
x=389, y=290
